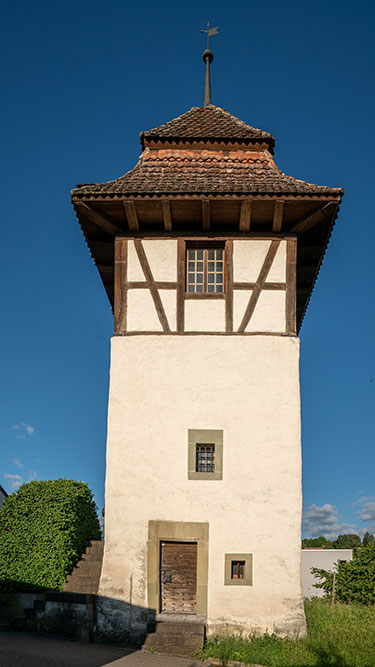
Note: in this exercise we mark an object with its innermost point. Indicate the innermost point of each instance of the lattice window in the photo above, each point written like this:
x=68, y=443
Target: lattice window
x=238, y=569
x=205, y=458
x=205, y=270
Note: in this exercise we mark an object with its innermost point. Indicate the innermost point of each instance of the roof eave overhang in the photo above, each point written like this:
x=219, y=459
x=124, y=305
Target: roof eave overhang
x=334, y=195
x=100, y=228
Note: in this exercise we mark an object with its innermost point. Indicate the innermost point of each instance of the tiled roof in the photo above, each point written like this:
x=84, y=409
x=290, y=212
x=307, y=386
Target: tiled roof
x=176, y=171
x=206, y=123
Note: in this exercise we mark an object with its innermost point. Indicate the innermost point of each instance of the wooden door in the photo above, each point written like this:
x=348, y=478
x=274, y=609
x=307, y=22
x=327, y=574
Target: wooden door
x=178, y=577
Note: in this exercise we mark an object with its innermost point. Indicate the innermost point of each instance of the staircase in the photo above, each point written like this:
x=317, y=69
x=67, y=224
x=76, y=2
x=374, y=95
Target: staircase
x=179, y=639
x=85, y=576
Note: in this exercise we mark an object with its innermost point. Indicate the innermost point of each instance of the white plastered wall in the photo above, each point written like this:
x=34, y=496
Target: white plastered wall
x=207, y=315
x=160, y=387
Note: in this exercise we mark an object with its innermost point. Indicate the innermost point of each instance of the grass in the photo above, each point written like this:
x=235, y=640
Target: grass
x=338, y=636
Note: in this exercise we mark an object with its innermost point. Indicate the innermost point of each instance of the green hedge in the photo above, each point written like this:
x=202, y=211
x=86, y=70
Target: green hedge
x=44, y=528
x=355, y=579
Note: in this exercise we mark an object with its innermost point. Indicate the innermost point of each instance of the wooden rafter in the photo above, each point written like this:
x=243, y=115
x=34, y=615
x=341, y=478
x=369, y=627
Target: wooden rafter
x=131, y=215
x=313, y=218
x=151, y=285
x=105, y=268
x=99, y=219
x=167, y=217
x=206, y=215
x=259, y=285
x=278, y=216
x=245, y=215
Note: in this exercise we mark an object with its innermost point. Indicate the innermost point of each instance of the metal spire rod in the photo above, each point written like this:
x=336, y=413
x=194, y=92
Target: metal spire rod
x=208, y=57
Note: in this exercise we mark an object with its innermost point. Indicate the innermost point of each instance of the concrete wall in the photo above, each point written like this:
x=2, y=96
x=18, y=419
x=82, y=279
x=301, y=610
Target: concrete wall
x=248, y=387
x=325, y=559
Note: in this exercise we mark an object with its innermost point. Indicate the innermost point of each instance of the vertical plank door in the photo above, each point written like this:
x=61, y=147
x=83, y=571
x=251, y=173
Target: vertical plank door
x=178, y=577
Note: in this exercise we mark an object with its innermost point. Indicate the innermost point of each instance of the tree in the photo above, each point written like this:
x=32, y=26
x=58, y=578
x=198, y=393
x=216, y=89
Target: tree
x=316, y=542
x=349, y=541
x=368, y=539
x=355, y=579
x=44, y=529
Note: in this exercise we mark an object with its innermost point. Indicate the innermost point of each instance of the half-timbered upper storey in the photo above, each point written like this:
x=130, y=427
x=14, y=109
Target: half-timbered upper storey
x=209, y=180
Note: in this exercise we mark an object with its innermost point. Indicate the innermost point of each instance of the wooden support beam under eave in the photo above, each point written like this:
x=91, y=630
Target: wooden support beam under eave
x=278, y=212
x=245, y=215
x=167, y=216
x=206, y=215
x=131, y=215
x=99, y=219
x=309, y=221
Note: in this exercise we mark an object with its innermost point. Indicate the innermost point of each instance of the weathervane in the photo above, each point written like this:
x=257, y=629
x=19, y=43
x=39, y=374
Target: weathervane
x=208, y=57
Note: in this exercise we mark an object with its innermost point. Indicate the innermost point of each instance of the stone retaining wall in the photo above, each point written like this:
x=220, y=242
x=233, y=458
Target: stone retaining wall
x=67, y=614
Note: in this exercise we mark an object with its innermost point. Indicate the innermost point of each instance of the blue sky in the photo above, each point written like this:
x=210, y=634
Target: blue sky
x=80, y=80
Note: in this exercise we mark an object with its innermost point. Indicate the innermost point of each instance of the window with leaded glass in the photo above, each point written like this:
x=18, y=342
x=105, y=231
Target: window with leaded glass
x=205, y=458
x=205, y=270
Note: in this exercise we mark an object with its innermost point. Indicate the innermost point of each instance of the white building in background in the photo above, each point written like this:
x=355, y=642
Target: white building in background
x=324, y=559
x=3, y=496
x=208, y=254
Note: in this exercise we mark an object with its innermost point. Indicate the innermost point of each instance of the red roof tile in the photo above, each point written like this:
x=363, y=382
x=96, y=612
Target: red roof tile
x=215, y=172
x=206, y=123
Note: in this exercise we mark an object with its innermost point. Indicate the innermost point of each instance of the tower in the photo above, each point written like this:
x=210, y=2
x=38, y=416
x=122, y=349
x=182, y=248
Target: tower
x=208, y=254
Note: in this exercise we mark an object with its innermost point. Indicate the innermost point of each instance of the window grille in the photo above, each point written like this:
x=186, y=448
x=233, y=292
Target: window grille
x=238, y=569
x=205, y=458
x=205, y=270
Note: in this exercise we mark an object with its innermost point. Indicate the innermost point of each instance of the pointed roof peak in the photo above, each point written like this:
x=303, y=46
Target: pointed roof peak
x=207, y=123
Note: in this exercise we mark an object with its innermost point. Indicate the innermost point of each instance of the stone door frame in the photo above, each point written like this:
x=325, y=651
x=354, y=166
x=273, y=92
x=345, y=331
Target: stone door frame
x=176, y=531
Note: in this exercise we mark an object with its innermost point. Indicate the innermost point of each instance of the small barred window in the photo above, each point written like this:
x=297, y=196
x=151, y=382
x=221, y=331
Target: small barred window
x=238, y=569
x=205, y=458
x=205, y=270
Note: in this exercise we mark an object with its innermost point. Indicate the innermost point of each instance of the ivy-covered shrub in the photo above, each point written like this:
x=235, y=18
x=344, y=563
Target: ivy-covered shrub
x=44, y=529
x=355, y=579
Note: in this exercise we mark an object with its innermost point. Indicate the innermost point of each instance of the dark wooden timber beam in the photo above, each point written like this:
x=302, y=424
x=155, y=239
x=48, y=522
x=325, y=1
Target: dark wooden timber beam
x=167, y=217
x=291, y=294
x=131, y=215
x=99, y=219
x=120, y=286
x=105, y=268
x=245, y=215
x=206, y=214
x=309, y=221
x=278, y=212
x=259, y=285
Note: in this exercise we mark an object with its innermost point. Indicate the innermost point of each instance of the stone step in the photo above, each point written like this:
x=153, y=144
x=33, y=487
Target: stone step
x=89, y=565
x=165, y=627
x=174, y=638
x=86, y=572
x=171, y=649
x=86, y=575
x=84, y=580
x=82, y=575
x=91, y=558
x=79, y=588
x=159, y=638
x=96, y=545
